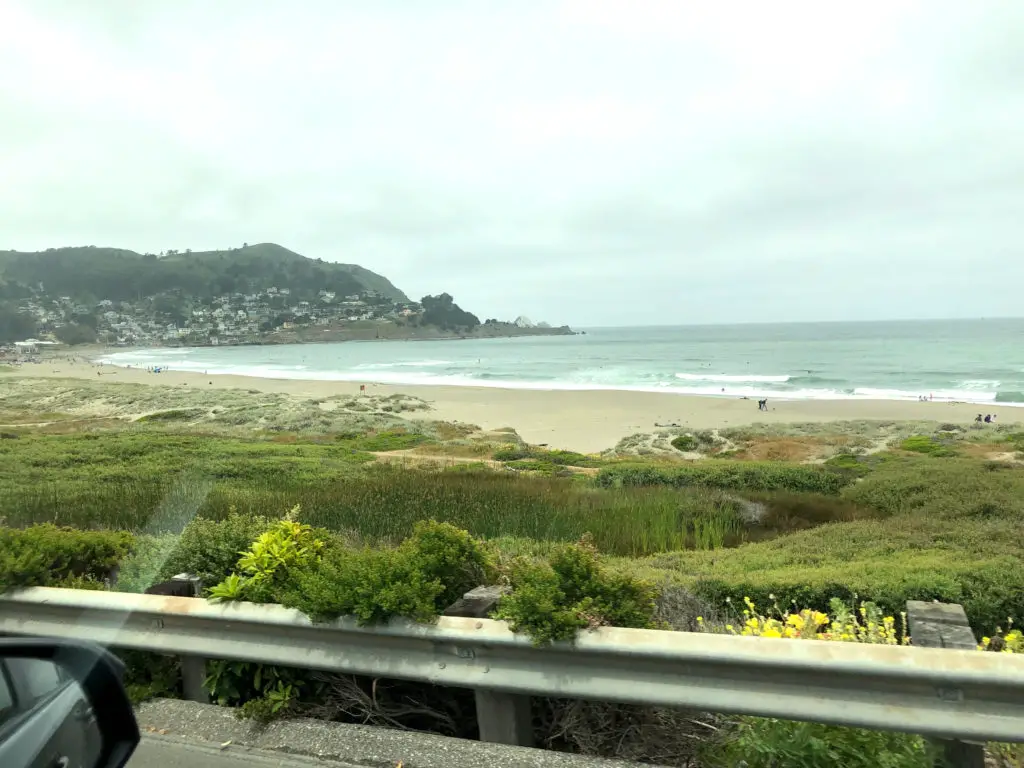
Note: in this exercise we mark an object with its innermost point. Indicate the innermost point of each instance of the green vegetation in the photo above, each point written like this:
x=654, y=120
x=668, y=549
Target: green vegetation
x=90, y=273
x=443, y=312
x=45, y=555
x=154, y=482
x=175, y=414
x=930, y=446
x=556, y=457
x=685, y=443
x=419, y=578
x=755, y=476
x=374, y=540
x=759, y=742
x=948, y=529
x=386, y=440
x=554, y=600
x=14, y=325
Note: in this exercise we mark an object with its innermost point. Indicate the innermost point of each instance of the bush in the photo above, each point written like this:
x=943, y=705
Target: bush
x=557, y=457
x=771, y=743
x=46, y=555
x=419, y=579
x=958, y=488
x=382, y=442
x=144, y=566
x=927, y=445
x=685, y=443
x=513, y=453
x=270, y=564
x=850, y=462
x=553, y=601
x=150, y=675
x=176, y=414
x=210, y=549
x=540, y=466
x=732, y=475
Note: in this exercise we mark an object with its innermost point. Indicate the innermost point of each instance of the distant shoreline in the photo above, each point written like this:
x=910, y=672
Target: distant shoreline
x=336, y=336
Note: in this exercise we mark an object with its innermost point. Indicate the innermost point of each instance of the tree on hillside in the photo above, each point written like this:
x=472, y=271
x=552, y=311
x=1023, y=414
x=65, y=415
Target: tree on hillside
x=73, y=334
x=91, y=321
x=15, y=326
x=443, y=312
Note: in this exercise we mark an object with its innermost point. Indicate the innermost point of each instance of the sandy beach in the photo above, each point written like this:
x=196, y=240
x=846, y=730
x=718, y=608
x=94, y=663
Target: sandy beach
x=586, y=421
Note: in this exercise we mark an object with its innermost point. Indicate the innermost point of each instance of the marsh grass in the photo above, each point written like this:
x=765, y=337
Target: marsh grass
x=156, y=481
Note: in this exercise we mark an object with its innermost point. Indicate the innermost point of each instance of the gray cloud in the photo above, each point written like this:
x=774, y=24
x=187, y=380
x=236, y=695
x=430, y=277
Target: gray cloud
x=599, y=162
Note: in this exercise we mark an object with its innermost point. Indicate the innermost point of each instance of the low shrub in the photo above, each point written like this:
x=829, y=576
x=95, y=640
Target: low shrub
x=758, y=742
x=273, y=560
x=960, y=488
x=176, y=414
x=850, y=462
x=46, y=555
x=384, y=441
x=418, y=579
x=974, y=563
x=929, y=446
x=512, y=452
x=554, y=600
x=210, y=549
x=557, y=457
x=144, y=567
x=1010, y=642
x=540, y=466
x=150, y=675
x=732, y=475
x=685, y=443
x=301, y=567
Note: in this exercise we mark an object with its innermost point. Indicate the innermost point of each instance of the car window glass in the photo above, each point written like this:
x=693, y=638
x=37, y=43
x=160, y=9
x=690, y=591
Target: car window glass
x=6, y=696
x=38, y=676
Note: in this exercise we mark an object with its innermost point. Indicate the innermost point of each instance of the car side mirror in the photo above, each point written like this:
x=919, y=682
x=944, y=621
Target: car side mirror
x=63, y=705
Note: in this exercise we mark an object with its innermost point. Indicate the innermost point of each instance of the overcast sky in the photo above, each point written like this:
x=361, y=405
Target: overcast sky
x=592, y=162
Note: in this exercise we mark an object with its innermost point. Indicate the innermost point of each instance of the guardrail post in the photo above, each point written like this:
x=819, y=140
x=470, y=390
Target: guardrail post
x=504, y=718
x=193, y=668
x=945, y=625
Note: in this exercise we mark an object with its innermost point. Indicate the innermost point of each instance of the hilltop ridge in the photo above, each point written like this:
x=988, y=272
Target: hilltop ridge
x=90, y=272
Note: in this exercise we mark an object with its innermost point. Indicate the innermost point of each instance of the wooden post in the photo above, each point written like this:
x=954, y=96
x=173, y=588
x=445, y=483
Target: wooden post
x=945, y=625
x=504, y=718
x=193, y=668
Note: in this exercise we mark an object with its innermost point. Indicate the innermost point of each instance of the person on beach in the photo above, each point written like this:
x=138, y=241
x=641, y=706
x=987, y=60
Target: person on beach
x=762, y=405
x=988, y=418
x=978, y=419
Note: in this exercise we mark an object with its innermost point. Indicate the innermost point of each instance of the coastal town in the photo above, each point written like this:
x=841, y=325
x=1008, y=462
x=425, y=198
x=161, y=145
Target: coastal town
x=254, y=294
x=233, y=318
x=173, y=320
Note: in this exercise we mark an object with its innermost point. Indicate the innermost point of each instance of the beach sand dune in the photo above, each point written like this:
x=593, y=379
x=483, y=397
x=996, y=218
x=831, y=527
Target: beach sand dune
x=587, y=421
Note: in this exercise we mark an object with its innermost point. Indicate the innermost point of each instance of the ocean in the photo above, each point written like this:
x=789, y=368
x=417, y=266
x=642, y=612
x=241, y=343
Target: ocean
x=979, y=361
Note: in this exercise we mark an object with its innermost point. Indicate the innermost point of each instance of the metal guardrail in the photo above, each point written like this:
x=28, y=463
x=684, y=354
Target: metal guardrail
x=957, y=694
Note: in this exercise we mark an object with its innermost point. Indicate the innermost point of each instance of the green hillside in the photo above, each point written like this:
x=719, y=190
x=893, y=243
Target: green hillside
x=116, y=274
